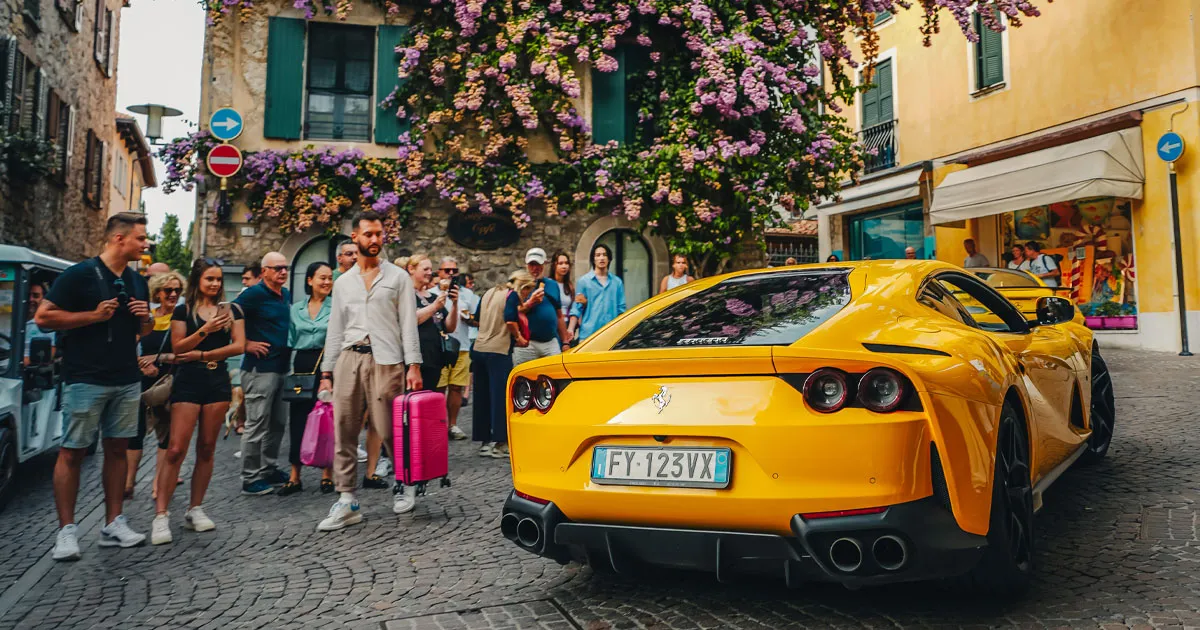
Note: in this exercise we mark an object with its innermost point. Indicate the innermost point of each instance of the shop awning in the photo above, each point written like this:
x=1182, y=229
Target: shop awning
x=1111, y=165
x=904, y=186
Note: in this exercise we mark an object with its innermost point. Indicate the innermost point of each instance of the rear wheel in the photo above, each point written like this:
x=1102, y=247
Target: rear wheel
x=8, y=463
x=1007, y=564
x=1103, y=415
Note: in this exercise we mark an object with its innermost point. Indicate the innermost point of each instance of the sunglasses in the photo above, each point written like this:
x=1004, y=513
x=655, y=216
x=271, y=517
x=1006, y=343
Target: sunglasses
x=450, y=270
x=278, y=268
x=172, y=291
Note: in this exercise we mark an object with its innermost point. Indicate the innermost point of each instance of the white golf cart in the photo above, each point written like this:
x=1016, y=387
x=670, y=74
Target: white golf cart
x=30, y=413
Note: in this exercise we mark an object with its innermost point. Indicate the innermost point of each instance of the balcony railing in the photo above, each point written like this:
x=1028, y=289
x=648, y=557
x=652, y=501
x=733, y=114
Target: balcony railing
x=879, y=143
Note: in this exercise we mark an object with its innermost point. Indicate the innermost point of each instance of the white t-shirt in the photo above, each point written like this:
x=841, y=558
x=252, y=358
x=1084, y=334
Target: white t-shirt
x=1044, y=263
x=978, y=260
x=1024, y=266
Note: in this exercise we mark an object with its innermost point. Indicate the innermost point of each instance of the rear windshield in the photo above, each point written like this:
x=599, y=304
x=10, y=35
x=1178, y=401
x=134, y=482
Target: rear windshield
x=770, y=309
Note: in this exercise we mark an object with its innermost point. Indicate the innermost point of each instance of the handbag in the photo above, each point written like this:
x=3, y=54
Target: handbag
x=159, y=394
x=302, y=387
x=317, y=445
x=450, y=349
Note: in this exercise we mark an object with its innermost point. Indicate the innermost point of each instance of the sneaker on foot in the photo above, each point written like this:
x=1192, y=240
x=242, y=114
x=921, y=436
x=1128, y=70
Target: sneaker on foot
x=66, y=544
x=375, y=481
x=405, y=499
x=160, y=530
x=257, y=488
x=457, y=433
x=118, y=534
x=362, y=455
x=500, y=451
x=197, y=520
x=383, y=468
x=486, y=449
x=340, y=515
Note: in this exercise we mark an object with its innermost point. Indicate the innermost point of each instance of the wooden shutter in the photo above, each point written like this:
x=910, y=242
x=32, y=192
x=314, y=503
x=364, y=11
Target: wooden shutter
x=98, y=32
x=33, y=8
x=872, y=114
x=387, y=68
x=882, y=17
x=283, y=114
x=8, y=71
x=41, y=104
x=88, y=198
x=110, y=47
x=989, y=55
x=50, y=126
x=66, y=148
x=608, y=101
x=16, y=100
x=98, y=171
x=883, y=79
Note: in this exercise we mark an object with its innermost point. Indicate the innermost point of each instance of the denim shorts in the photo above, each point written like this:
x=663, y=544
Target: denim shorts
x=111, y=409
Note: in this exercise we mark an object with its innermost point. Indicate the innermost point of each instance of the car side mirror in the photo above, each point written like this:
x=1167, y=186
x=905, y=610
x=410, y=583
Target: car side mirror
x=39, y=352
x=1054, y=310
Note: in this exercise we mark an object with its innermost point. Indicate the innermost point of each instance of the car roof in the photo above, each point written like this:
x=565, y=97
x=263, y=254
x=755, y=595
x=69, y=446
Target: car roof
x=26, y=256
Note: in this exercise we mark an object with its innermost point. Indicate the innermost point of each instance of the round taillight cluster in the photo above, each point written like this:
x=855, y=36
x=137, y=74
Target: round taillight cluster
x=880, y=390
x=534, y=394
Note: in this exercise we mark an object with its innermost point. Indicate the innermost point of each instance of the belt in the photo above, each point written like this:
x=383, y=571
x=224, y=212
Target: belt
x=361, y=348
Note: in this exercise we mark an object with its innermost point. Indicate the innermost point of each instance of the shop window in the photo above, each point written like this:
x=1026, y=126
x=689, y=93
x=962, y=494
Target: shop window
x=989, y=55
x=1092, y=240
x=885, y=234
x=631, y=262
x=339, y=82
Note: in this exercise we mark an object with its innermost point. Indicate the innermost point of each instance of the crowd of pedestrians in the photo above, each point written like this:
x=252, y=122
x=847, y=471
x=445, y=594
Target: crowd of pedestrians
x=154, y=360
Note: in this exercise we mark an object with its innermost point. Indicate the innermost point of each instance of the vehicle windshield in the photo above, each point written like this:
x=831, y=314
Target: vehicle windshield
x=8, y=285
x=1005, y=279
x=770, y=309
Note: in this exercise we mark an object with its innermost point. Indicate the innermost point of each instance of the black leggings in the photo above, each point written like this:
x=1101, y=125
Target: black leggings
x=305, y=361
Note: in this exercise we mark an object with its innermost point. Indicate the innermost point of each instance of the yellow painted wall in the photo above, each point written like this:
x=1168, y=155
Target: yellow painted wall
x=1152, y=216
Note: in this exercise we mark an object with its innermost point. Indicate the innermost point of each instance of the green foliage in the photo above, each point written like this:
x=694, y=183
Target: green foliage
x=171, y=248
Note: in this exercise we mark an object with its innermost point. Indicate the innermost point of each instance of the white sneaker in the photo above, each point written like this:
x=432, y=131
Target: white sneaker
x=500, y=451
x=197, y=520
x=362, y=455
x=457, y=433
x=340, y=515
x=383, y=468
x=237, y=454
x=160, y=530
x=66, y=544
x=405, y=500
x=486, y=449
x=118, y=534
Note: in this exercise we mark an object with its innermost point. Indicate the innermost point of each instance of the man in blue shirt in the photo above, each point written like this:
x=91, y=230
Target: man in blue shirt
x=600, y=296
x=543, y=310
x=267, y=309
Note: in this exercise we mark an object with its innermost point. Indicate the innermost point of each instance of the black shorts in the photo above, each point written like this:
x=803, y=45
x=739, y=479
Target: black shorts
x=198, y=385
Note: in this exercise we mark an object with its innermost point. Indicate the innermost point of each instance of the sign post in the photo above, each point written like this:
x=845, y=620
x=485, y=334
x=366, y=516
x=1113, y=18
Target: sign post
x=1170, y=148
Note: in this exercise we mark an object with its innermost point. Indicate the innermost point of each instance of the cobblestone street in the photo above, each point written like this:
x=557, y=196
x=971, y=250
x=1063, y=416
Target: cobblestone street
x=1118, y=546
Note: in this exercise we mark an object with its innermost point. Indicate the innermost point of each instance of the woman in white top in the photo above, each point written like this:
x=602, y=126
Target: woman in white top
x=1018, y=262
x=679, y=274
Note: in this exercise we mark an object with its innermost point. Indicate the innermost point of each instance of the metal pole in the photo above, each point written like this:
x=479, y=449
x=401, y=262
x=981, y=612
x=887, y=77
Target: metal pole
x=1183, y=328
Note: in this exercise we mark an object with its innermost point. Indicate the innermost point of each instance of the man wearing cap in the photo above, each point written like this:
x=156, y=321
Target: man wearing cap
x=543, y=309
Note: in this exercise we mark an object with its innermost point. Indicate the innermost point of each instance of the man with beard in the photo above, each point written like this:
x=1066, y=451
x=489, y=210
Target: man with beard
x=372, y=336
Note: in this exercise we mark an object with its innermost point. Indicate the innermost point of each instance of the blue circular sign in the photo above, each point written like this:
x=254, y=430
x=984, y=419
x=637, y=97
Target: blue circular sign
x=1169, y=147
x=225, y=124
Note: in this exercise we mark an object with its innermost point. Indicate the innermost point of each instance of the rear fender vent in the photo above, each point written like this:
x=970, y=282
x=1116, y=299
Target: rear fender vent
x=940, y=490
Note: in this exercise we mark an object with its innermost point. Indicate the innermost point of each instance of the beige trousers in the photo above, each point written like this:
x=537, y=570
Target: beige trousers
x=361, y=384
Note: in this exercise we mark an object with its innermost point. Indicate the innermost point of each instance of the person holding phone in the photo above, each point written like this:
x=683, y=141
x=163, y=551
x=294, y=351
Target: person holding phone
x=204, y=333
x=454, y=378
x=155, y=360
x=437, y=313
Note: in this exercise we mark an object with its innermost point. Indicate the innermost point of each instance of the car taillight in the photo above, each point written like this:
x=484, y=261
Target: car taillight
x=826, y=390
x=882, y=390
x=522, y=393
x=840, y=513
x=544, y=393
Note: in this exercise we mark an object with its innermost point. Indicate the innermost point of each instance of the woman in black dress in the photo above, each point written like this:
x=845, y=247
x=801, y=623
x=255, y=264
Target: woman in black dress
x=155, y=362
x=433, y=318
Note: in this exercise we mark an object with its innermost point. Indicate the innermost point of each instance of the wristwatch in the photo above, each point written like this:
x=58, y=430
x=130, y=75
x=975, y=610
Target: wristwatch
x=202, y=334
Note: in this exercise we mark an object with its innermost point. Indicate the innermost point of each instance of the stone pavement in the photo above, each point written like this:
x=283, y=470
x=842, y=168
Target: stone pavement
x=1119, y=546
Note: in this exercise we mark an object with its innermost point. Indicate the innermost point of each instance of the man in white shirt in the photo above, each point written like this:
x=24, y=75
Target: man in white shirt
x=455, y=377
x=1042, y=265
x=372, y=337
x=974, y=258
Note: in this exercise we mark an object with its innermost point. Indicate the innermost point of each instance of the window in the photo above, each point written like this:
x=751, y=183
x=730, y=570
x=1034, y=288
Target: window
x=885, y=234
x=877, y=101
x=986, y=308
x=989, y=55
x=120, y=171
x=882, y=17
x=614, y=110
x=93, y=172
x=339, y=82
x=58, y=132
x=71, y=12
x=769, y=309
x=935, y=296
x=33, y=11
x=1007, y=279
x=102, y=48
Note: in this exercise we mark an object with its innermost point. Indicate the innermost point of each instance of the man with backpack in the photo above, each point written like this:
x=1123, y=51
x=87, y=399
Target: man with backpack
x=1042, y=265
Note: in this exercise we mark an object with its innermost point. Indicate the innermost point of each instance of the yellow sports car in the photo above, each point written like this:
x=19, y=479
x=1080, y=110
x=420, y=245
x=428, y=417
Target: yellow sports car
x=848, y=422
x=1021, y=288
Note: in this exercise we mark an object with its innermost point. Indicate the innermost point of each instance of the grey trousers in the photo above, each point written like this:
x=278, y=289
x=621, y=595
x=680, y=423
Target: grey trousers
x=266, y=419
x=535, y=350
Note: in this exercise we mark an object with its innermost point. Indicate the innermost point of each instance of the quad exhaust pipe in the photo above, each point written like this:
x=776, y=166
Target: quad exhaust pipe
x=889, y=553
x=508, y=526
x=529, y=533
x=846, y=554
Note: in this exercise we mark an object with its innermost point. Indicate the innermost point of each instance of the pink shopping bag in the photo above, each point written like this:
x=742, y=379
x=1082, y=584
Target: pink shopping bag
x=316, y=449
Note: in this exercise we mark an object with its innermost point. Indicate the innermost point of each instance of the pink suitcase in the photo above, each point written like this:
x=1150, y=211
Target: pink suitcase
x=421, y=439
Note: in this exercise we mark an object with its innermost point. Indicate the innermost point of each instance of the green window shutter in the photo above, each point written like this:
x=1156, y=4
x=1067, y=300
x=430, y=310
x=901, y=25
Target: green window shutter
x=387, y=127
x=877, y=101
x=989, y=56
x=882, y=16
x=608, y=102
x=285, y=78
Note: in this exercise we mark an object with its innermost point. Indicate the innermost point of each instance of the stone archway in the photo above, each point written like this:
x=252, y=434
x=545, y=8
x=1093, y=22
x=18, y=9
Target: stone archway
x=660, y=263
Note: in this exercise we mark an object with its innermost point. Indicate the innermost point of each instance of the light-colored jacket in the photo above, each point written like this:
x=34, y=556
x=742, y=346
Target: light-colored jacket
x=386, y=315
x=493, y=333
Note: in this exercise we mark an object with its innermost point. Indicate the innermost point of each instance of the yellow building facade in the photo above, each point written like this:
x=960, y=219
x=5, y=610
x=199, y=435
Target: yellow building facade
x=132, y=167
x=1047, y=133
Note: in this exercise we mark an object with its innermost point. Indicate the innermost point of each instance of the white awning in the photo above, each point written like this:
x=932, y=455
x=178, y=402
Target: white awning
x=880, y=192
x=1111, y=165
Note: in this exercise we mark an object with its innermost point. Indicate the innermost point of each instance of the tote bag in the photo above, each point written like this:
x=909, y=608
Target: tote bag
x=316, y=448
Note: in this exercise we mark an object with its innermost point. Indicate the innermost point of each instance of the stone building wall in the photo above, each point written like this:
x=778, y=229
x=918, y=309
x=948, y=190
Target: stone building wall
x=50, y=216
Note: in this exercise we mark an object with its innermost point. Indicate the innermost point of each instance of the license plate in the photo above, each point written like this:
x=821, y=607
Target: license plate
x=655, y=466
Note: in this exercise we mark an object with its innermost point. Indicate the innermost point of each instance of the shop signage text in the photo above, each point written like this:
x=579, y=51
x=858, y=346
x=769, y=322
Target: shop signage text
x=475, y=230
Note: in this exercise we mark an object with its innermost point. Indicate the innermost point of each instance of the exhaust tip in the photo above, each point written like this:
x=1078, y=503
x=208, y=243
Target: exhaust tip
x=890, y=552
x=529, y=533
x=846, y=555
x=508, y=526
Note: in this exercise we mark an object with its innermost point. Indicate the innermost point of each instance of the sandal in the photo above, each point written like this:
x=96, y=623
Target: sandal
x=291, y=487
x=376, y=482
x=326, y=486
x=128, y=493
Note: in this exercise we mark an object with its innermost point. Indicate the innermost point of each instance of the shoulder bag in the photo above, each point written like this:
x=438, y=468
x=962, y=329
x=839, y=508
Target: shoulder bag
x=302, y=387
x=159, y=394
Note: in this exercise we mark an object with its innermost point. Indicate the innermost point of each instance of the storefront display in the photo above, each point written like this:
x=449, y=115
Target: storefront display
x=1092, y=240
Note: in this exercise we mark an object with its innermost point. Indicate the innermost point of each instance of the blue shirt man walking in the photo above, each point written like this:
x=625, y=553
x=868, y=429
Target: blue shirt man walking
x=543, y=309
x=600, y=296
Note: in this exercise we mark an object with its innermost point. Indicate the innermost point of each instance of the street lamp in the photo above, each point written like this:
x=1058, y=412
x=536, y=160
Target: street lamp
x=154, y=114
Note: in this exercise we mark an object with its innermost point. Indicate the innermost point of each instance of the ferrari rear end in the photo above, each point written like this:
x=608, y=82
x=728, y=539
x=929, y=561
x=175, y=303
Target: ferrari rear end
x=700, y=437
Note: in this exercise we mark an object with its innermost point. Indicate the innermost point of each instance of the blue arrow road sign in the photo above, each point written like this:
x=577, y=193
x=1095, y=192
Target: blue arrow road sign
x=225, y=124
x=1170, y=146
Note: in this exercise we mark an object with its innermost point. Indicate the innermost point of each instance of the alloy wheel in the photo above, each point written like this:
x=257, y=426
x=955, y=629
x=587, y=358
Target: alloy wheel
x=1103, y=412
x=1013, y=453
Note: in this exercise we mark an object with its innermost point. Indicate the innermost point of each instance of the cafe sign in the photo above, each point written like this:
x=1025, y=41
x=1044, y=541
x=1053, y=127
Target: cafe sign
x=479, y=231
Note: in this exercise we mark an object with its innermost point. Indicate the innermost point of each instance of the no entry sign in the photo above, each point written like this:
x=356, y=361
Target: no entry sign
x=224, y=160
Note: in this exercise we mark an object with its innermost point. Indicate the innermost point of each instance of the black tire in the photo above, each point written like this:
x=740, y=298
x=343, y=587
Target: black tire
x=8, y=463
x=1006, y=567
x=1102, y=418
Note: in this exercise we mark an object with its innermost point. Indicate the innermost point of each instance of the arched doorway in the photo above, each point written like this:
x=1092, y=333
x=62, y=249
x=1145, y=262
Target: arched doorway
x=632, y=262
x=322, y=248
